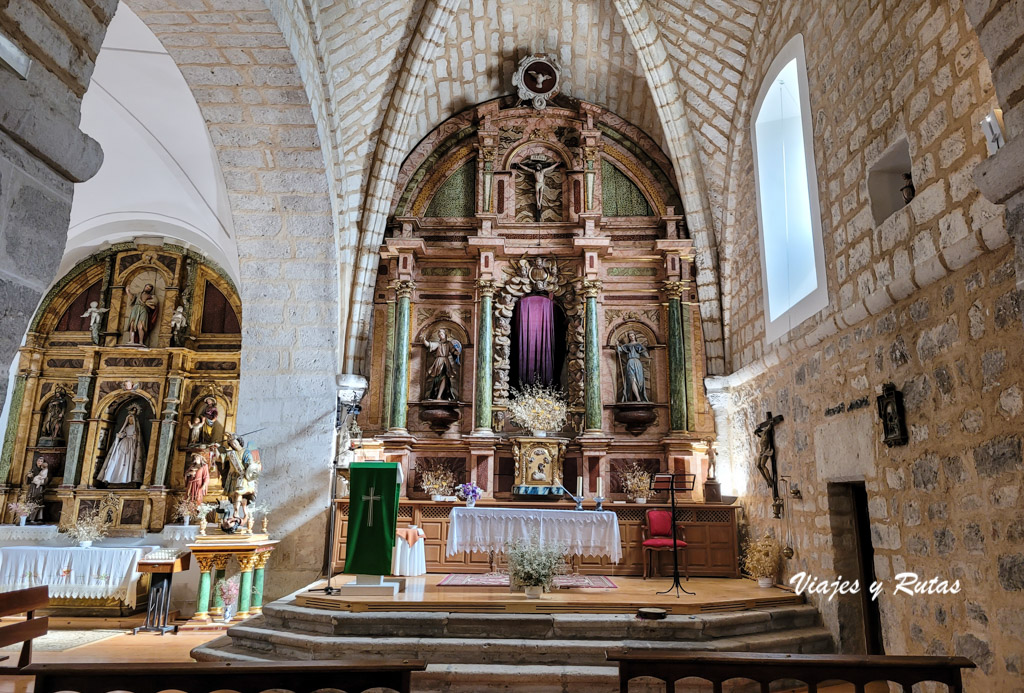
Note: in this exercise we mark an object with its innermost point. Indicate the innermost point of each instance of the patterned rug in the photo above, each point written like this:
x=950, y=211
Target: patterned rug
x=61, y=640
x=562, y=582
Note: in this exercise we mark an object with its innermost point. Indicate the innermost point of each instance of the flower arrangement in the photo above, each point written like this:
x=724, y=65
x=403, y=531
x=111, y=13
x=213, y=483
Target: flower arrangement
x=538, y=408
x=761, y=558
x=533, y=564
x=436, y=476
x=186, y=509
x=634, y=479
x=469, y=492
x=23, y=508
x=228, y=590
x=89, y=528
x=203, y=510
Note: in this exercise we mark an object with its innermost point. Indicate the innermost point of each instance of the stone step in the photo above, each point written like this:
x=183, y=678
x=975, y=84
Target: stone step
x=254, y=638
x=294, y=618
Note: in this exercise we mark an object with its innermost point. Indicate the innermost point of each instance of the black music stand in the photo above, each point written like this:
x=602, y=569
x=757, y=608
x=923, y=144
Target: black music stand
x=670, y=482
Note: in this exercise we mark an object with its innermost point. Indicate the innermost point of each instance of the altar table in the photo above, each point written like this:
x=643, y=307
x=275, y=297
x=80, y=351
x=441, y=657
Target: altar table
x=72, y=572
x=582, y=532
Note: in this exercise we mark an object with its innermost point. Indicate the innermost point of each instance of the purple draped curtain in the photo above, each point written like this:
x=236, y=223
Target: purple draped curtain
x=536, y=327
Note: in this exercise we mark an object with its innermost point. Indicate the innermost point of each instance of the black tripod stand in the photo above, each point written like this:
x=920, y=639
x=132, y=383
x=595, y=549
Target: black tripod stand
x=341, y=421
x=672, y=483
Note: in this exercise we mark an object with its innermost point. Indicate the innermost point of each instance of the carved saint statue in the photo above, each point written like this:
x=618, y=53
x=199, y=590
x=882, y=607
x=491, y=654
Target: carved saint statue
x=443, y=371
x=197, y=477
x=195, y=430
x=125, y=453
x=179, y=323
x=36, y=488
x=209, y=413
x=53, y=423
x=634, y=381
x=142, y=314
x=539, y=170
x=766, y=463
x=241, y=470
x=95, y=315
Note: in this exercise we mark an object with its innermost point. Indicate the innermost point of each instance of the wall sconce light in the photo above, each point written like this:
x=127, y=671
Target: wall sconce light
x=992, y=127
x=14, y=58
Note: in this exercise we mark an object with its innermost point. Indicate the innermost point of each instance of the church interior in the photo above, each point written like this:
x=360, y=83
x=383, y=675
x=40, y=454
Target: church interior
x=636, y=345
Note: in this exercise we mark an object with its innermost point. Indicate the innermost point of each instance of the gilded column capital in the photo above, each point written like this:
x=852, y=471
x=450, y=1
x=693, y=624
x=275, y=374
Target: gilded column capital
x=676, y=289
x=261, y=559
x=592, y=287
x=403, y=288
x=487, y=287
x=205, y=561
x=246, y=562
x=220, y=560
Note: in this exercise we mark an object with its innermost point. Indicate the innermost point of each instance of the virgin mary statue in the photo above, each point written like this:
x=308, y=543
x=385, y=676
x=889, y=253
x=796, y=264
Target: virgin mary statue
x=124, y=454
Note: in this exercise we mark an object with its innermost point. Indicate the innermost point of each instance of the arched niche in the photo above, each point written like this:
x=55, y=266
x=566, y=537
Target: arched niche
x=424, y=357
x=645, y=335
x=113, y=427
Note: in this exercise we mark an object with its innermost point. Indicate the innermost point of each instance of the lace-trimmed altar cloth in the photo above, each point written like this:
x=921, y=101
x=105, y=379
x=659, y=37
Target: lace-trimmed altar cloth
x=583, y=532
x=72, y=572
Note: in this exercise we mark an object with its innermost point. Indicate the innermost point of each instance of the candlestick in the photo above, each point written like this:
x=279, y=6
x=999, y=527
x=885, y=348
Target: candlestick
x=579, y=487
x=600, y=487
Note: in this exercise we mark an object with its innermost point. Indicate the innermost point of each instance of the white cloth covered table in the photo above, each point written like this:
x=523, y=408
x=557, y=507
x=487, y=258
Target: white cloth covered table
x=582, y=532
x=409, y=561
x=73, y=572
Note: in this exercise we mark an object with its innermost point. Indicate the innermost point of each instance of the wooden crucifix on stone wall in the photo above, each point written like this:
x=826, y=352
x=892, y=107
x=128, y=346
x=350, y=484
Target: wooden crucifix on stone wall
x=766, y=463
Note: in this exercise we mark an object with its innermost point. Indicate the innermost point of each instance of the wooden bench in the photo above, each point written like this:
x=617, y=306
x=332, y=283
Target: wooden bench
x=23, y=602
x=351, y=676
x=764, y=668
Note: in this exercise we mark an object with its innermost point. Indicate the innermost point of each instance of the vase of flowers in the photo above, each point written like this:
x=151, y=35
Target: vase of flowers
x=22, y=509
x=538, y=409
x=90, y=527
x=186, y=509
x=761, y=559
x=470, y=493
x=635, y=481
x=203, y=512
x=228, y=590
x=533, y=564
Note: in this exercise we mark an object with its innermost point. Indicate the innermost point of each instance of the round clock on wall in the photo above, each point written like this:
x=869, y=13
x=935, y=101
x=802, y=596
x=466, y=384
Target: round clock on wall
x=537, y=79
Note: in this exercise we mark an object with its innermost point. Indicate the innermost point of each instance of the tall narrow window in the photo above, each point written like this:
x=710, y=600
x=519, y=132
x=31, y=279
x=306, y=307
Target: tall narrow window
x=792, y=259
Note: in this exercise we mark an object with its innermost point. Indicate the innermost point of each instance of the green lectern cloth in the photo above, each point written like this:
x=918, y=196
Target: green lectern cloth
x=372, y=517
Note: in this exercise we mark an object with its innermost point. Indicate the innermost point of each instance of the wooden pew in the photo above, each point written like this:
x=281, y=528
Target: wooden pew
x=23, y=602
x=351, y=676
x=764, y=668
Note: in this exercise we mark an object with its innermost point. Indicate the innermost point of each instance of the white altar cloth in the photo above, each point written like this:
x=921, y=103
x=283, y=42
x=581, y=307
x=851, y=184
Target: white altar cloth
x=73, y=572
x=583, y=532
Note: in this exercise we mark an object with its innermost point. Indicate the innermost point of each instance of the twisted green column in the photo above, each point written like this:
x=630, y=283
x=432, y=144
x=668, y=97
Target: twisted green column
x=676, y=357
x=400, y=384
x=484, y=357
x=592, y=360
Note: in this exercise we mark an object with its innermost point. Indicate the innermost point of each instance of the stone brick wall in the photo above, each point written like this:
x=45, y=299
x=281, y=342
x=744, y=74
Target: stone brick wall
x=42, y=151
x=926, y=300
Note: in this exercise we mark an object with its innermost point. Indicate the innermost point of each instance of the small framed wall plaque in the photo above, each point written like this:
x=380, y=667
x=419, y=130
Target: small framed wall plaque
x=890, y=411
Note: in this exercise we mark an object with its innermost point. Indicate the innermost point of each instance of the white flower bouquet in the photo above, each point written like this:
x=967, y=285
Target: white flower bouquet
x=538, y=408
x=533, y=564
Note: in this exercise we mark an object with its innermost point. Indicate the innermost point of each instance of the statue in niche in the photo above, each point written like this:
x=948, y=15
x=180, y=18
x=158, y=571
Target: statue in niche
x=442, y=374
x=209, y=414
x=538, y=167
x=634, y=378
x=179, y=324
x=52, y=431
x=95, y=315
x=36, y=481
x=142, y=314
x=126, y=452
x=195, y=430
x=197, y=477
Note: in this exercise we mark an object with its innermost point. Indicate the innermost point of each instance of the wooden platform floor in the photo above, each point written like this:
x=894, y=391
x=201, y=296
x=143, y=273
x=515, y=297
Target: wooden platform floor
x=712, y=595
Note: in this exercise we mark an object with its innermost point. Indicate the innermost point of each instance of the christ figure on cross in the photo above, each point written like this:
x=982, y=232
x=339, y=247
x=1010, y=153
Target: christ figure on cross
x=539, y=169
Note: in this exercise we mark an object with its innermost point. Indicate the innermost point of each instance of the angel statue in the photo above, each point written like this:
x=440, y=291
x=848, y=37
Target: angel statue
x=634, y=381
x=95, y=315
x=442, y=374
x=179, y=323
x=126, y=452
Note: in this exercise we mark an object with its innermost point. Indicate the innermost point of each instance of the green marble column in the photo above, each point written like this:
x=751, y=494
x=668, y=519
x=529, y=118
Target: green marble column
x=7, y=454
x=676, y=357
x=686, y=318
x=484, y=358
x=165, y=446
x=592, y=360
x=203, y=595
x=257, y=582
x=220, y=564
x=245, y=585
x=76, y=430
x=389, y=367
x=400, y=389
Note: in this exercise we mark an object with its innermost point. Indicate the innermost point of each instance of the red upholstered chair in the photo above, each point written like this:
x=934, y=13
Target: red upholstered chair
x=657, y=536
